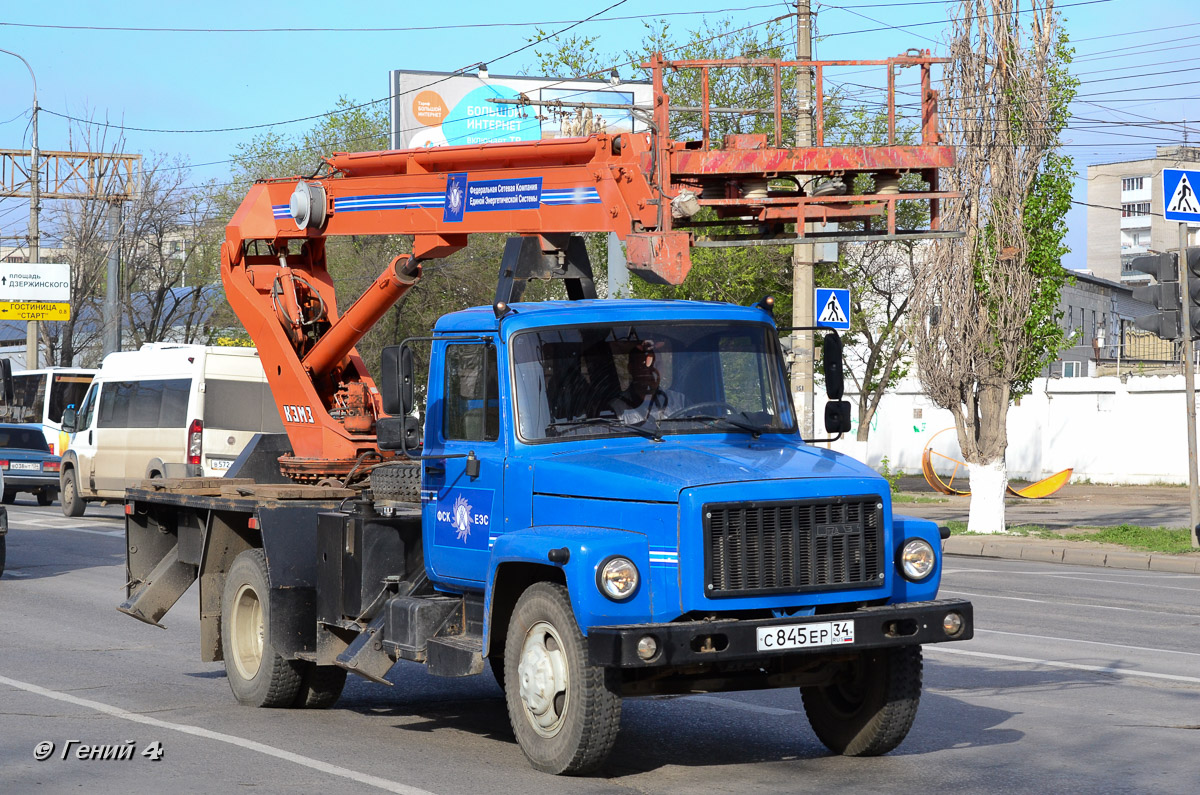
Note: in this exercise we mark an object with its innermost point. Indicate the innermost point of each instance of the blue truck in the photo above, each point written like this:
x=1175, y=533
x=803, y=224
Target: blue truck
x=605, y=499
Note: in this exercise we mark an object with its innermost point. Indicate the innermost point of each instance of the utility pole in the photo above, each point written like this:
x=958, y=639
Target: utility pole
x=1189, y=381
x=35, y=205
x=111, y=333
x=803, y=254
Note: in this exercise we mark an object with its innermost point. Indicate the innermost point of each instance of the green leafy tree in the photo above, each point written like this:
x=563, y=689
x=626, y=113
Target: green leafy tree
x=988, y=302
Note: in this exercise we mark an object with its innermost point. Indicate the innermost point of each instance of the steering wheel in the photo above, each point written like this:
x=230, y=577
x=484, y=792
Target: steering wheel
x=695, y=408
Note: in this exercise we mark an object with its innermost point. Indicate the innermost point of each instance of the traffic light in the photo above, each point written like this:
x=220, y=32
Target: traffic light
x=1165, y=295
x=1193, y=266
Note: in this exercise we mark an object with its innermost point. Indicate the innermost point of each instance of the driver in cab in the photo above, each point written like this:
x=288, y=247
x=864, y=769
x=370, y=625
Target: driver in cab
x=644, y=397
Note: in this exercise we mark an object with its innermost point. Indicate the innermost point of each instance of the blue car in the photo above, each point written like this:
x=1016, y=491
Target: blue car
x=27, y=463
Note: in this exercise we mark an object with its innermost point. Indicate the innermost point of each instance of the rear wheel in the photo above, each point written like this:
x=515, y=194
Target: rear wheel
x=3, y=552
x=72, y=503
x=870, y=705
x=257, y=675
x=9, y=497
x=320, y=686
x=564, y=712
x=45, y=496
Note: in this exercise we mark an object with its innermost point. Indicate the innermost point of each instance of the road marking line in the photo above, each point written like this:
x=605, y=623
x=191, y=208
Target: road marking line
x=1102, y=669
x=113, y=533
x=729, y=702
x=196, y=731
x=1076, y=640
x=1060, y=604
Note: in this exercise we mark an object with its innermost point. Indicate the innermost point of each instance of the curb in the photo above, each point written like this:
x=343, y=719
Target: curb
x=975, y=546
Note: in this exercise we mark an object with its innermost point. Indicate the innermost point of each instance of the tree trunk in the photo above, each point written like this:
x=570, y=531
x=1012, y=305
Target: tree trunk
x=988, y=482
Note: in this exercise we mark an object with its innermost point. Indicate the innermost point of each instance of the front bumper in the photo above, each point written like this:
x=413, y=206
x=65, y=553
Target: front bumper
x=730, y=640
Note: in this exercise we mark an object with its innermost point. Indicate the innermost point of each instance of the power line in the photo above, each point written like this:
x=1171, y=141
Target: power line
x=340, y=110
x=942, y=21
x=409, y=29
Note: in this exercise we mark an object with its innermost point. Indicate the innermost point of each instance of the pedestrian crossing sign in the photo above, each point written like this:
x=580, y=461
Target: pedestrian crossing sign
x=1179, y=195
x=832, y=305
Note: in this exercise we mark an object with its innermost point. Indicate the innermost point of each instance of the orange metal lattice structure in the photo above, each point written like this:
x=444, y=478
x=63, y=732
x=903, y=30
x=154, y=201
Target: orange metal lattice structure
x=645, y=187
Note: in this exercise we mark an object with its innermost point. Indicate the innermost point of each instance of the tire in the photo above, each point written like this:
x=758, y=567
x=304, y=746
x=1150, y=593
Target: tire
x=72, y=503
x=870, y=706
x=397, y=482
x=9, y=497
x=257, y=675
x=496, y=665
x=564, y=712
x=3, y=552
x=320, y=686
x=45, y=497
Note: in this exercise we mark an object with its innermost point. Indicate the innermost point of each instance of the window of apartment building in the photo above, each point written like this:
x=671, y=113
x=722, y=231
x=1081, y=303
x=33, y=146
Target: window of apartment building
x=1135, y=209
x=1131, y=183
x=1072, y=369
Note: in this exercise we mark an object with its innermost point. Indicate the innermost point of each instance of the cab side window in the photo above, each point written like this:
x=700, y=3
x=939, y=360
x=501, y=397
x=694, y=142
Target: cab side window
x=472, y=405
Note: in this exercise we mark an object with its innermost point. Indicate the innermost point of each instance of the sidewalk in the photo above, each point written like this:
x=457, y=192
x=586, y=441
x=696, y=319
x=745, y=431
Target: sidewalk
x=1072, y=509
x=1080, y=553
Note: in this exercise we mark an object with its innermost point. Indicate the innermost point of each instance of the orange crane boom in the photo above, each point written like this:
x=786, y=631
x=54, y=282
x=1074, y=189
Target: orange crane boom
x=645, y=187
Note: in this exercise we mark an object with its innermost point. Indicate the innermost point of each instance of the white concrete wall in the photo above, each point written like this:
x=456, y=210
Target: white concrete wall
x=1108, y=431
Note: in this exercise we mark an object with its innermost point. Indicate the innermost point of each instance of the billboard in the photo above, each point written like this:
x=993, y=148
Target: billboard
x=440, y=109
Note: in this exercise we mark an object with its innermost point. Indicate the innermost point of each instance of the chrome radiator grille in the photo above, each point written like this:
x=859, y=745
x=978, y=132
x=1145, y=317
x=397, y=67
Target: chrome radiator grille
x=794, y=545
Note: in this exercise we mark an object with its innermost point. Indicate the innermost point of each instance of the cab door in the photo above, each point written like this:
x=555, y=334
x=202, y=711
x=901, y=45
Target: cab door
x=463, y=493
x=83, y=441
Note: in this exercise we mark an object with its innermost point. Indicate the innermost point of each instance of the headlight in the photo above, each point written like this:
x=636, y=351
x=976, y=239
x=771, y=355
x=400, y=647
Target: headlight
x=917, y=559
x=617, y=578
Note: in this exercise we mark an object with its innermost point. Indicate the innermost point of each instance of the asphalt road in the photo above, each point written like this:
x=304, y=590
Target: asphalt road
x=1079, y=679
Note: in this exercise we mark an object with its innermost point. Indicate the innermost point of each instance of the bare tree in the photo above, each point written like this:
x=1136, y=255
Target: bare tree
x=987, y=305
x=878, y=343
x=83, y=229
x=169, y=249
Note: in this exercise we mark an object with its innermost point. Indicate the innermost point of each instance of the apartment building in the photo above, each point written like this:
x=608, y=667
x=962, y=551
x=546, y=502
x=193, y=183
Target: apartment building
x=1124, y=214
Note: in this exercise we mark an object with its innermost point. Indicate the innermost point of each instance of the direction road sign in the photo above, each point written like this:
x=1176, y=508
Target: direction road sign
x=1179, y=195
x=34, y=310
x=833, y=308
x=48, y=282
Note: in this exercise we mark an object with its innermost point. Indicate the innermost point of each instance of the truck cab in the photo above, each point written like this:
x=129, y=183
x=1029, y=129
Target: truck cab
x=659, y=432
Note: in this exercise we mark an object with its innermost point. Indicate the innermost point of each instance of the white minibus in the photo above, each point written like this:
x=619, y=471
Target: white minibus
x=165, y=410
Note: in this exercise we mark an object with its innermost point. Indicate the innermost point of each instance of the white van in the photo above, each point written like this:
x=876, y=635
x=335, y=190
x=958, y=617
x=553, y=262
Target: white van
x=166, y=410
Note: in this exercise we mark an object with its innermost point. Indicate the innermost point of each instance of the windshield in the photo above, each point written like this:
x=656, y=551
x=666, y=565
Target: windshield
x=649, y=379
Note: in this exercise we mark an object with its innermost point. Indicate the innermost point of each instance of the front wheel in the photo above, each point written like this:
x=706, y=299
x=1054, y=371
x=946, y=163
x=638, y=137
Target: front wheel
x=45, y=496
x=871, y=703
x=72, y=503
x=257, y=675
x=564, y=712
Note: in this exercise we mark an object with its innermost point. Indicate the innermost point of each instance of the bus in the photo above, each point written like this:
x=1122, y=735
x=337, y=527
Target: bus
x=40, y=397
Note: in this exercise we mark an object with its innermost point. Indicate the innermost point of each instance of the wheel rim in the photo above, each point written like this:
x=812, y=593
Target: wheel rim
x=848, y=693
x=69, y=489
x=246, y=632
x=544, y=678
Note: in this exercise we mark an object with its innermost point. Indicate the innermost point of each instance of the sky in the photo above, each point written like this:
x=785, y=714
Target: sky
x=221, y=68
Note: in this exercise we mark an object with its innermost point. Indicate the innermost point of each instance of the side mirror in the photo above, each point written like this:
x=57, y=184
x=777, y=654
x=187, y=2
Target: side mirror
x=406, y=379
x=68, y=420
x=837, y=416
x=831, y=366
x=10, y=391
x=396, y=380
x=398, y=433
